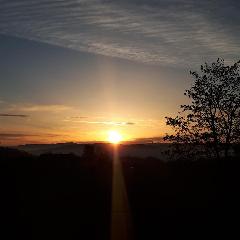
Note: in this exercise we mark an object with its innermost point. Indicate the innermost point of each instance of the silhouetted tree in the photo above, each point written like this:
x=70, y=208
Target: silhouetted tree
x=212, y=119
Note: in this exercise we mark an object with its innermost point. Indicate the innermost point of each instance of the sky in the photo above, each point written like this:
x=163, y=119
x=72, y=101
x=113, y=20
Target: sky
x=73, y=70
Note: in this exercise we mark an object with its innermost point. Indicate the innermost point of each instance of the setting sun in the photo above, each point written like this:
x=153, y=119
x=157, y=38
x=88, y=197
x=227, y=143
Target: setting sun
x=114, y=137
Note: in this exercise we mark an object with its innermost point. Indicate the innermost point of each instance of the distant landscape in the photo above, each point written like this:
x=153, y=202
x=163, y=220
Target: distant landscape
x=63, y=195
x=125, y=150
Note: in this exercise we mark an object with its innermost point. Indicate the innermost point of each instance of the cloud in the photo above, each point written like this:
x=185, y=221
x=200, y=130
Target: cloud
x=40, y=108
x=147, y=123
x=15, y=136
x=148, y=31
x=130, y=123
x=114, y=123
x=13, y=115
x=149, y=140
x=78, y=117
x=108, y=123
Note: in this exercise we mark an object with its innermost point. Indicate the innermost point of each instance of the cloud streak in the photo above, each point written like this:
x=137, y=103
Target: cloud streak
x=149, y=140
x=39, y=108
x=113, y=123
x=14, y=136
x=14, y=115
x=108, y=123
x=154, y=32
x=147, y=123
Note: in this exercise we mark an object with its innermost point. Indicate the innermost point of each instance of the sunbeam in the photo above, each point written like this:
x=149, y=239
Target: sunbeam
x=121, y=222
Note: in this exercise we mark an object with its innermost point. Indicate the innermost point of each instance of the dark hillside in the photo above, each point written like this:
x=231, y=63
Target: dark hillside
x=54, y=197
x=63, y=196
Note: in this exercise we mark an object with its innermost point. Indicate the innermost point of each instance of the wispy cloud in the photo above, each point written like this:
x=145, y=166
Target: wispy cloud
x=6, y=136
x=15, y=135
x=13, y=115
x=75, y=118
x=100, y=120
x=114, y=123
x=149, y=140
x=39, y=108
x=154, y=32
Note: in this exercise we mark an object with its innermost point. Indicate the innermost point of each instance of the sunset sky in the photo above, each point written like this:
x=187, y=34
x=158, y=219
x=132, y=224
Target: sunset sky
x=73, y=70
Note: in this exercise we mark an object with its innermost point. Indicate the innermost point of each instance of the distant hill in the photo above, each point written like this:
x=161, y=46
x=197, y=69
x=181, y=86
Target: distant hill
x=64, y=148
x=129, y=150
x=11, y=153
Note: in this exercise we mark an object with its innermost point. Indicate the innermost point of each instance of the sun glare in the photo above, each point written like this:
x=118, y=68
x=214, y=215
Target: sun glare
x=114, y=137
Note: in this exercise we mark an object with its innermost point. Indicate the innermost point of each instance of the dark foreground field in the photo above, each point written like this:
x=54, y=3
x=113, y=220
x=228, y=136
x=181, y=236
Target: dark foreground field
x=69, y=197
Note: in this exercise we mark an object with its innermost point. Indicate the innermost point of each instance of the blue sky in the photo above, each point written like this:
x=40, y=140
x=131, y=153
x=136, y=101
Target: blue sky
x=104, y=62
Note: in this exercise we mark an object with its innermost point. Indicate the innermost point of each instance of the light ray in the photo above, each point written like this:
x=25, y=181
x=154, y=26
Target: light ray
x=121, y=222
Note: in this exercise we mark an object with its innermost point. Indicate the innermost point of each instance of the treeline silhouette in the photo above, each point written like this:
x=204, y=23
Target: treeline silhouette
x=63, y=196
x=54, y=196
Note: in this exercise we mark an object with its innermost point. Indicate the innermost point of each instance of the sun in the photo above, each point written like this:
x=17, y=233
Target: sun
x=114, y=137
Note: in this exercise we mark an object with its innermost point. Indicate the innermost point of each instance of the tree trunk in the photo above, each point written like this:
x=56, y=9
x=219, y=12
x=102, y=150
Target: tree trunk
x=217, y=152
x=226, y=150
